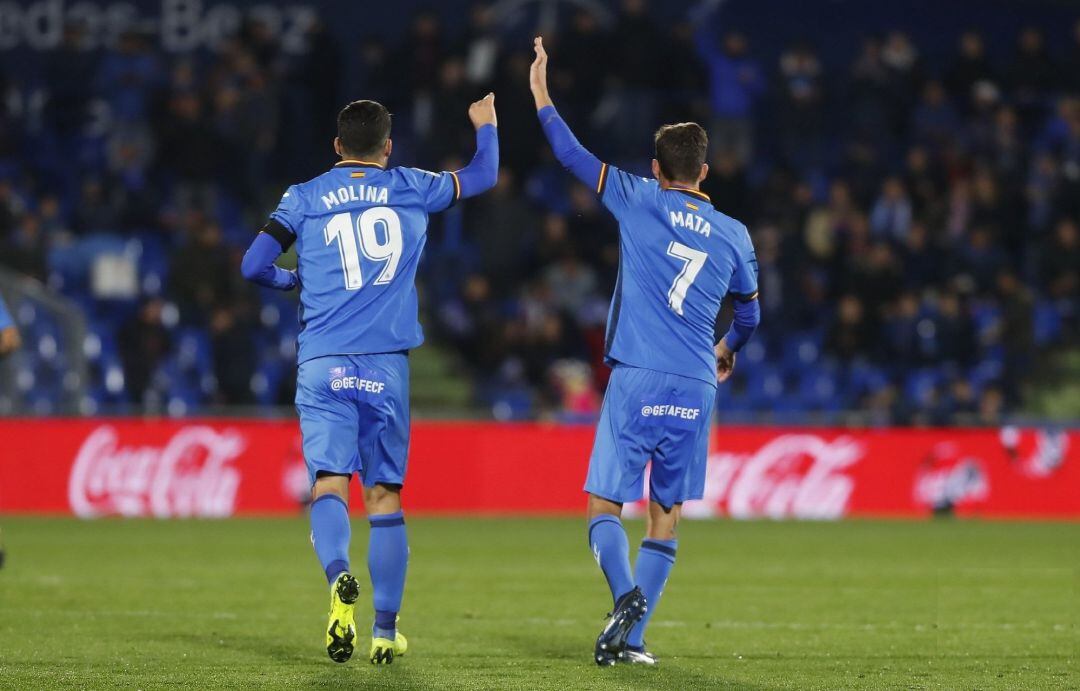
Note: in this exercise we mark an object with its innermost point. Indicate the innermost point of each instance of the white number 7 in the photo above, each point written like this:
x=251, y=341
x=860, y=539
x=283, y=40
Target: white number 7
x=694, y=260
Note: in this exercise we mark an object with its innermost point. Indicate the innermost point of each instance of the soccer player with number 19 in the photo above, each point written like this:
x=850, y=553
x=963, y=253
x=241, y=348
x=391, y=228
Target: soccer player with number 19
x=679, y=258
x=359, y=231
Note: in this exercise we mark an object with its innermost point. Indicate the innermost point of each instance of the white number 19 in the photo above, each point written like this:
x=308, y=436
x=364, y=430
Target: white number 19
x=340, y=228
x=693, y=261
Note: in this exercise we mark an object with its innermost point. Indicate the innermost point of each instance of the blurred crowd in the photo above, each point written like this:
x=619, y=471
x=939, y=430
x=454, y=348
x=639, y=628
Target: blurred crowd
x=916, y=223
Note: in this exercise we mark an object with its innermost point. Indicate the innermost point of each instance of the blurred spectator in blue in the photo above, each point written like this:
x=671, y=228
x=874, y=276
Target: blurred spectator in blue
x=9, y=333
x=901, y=329
x=735, y=84
x=129, y=78
x=981, y=259
x=890, y=219
x=802, y=115
x=935, y=121
x=570, y=282
x=923, y=260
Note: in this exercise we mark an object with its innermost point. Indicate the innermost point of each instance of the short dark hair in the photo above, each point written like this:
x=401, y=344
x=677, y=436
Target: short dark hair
x=681, y=149
x=363, y=128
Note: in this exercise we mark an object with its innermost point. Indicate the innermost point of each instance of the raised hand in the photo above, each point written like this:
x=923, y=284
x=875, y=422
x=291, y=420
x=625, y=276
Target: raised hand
x=538, y=75
x=482, y=112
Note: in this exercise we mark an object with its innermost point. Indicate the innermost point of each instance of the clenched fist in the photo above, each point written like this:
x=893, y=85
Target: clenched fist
x=482, y=112
x=725, y=361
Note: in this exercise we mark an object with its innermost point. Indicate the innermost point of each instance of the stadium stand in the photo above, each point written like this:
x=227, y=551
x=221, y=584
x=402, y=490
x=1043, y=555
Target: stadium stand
x=915, y=208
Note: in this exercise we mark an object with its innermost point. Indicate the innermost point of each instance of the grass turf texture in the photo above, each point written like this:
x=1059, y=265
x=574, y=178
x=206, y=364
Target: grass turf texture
x=517, y=603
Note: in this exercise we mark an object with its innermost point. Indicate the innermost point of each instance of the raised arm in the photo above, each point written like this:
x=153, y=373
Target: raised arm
x=483, y=170
x=568, y=150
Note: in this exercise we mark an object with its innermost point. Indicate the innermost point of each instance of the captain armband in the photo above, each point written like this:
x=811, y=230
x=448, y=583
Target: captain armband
x=279, y=232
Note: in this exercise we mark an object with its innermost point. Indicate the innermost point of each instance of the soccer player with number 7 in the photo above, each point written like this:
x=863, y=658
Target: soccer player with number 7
x=359, y=231
x=679, y=258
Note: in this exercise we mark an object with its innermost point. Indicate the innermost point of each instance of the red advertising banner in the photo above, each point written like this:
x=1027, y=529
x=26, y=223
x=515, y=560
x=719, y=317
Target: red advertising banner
x=217, y=468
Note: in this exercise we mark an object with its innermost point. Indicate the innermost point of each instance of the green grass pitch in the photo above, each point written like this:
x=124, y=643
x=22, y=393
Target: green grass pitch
x=517, y=603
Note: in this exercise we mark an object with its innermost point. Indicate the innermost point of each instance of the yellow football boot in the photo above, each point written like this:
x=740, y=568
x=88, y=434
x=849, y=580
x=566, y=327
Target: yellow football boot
x=383, y=650
x=341, y=631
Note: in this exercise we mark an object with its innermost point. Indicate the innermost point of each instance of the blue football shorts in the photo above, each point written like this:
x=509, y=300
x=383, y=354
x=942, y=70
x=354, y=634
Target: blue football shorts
x=649, y=415
x=354, y=416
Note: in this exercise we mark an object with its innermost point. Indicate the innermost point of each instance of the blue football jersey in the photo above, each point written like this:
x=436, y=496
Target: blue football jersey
x=360, y=230
x=679, y=257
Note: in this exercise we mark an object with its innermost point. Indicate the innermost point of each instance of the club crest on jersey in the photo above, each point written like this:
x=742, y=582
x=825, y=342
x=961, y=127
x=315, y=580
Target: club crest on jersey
x=355, y=193
x=685, y=219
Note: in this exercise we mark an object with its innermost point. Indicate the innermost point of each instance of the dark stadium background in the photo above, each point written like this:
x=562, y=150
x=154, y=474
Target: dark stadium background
x=162, y=149
x=909, y=172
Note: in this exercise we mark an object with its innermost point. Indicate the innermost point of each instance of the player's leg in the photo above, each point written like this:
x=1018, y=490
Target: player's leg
x=328, y=426
x=678, y=474
x=616, y=472
x=388, y=561
x=384, y=446
x=330, y=534
x=655, y=559
x=330, y=527
x=609, y=545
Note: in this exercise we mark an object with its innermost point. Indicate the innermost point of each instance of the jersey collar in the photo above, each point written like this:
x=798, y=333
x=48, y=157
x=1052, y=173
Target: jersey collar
x=697, y=194
x=353, y=163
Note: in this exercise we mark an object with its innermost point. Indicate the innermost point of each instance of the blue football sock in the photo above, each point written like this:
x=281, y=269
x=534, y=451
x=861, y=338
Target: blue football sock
x=612, y=551
x=388, y=559
x=654, y=562
x=330, y=532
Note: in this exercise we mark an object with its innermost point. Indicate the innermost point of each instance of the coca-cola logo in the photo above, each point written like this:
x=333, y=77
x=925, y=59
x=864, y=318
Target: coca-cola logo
x=791, y=476
x=189, y=475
